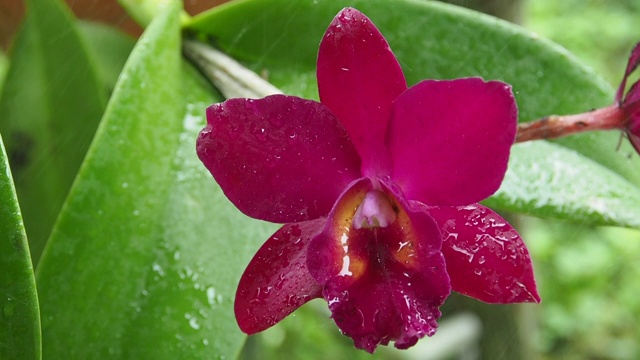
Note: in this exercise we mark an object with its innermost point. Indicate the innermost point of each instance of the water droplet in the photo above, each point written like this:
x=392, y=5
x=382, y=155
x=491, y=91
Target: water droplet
x=158, y=269
x=481, y=260
x=469, y=253
x=281, y=281
x=193, y=321
x=292, y=135
x=9, y=308
x=258, y=132
x=212, y=297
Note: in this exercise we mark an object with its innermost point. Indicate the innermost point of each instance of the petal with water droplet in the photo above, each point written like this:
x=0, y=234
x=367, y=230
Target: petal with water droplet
x=280, y=159
x=358, y=79
x=450, y=140
x=277, y=281
x=486, y=258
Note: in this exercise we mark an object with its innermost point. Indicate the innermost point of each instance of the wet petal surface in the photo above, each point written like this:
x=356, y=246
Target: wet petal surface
x=279, y=159
x=277, y=281
x=450, y=140
x=358, y=79
x=382, y=283
x=486, y=258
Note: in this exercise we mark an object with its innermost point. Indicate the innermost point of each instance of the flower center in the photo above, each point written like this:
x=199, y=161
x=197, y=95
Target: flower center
x=375, y=211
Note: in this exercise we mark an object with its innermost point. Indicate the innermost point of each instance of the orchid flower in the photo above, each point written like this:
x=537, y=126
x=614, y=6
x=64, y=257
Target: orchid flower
x=377, y=186
x=629, y=103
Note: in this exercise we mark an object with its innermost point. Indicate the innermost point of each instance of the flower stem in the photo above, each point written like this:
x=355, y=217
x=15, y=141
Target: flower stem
x=555, y=126
x=231, y=78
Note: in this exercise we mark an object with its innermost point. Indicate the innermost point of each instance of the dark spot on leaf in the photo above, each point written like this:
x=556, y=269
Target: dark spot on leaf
x=21, y=151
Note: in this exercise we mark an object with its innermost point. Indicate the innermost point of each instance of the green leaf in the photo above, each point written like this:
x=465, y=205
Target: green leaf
x=19, y=316
x=143, y=11
x=433, y=40
x=111, y=48
x=49, y=110
x=4, y=66
x=610, y=200
x=145, y=258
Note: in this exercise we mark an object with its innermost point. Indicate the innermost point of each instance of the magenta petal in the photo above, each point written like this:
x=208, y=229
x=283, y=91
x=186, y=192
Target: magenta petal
x=358, y=79
x=384, y=283
x=277, y=281
x=486, y=258
x=635, y=140
x=279, y=159
x=631, y=102
x=632, y=64
x=450, y=140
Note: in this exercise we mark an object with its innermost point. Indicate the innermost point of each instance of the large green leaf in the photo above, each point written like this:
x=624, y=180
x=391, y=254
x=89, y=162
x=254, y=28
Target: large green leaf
x=49, y=110
x=111, y=48
x=433, y=40
x=611, y=200
x=19, y=316
x=144, y=260
x=4, y=65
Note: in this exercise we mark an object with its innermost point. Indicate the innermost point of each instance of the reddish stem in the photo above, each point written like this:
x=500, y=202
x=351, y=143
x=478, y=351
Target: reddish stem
x=555, y=126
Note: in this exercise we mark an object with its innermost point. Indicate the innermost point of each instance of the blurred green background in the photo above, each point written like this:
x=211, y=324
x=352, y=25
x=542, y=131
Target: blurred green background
x=589, y=278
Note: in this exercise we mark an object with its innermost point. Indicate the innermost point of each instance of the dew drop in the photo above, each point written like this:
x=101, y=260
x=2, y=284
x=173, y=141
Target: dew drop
x=9, y=308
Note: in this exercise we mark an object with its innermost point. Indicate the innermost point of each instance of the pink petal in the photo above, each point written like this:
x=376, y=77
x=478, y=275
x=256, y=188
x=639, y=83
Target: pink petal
x=632, y=64
x=279, y=159
x=632, y=98
x=358, y=79
x=277, y=281
x=450, y=140
x=383, y=283
x=486, y=258
x=635, y=140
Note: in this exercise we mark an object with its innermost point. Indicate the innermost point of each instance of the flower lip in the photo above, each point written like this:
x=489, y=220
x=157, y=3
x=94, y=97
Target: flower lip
x=374, y=211
x=382, y=283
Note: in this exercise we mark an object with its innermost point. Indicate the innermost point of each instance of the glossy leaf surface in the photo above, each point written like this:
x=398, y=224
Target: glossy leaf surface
x=432, y=40
x=146, y=256
x=50, y=107
x=19, y=316
x=4, y=65
x=610, y=200
x=111, y=49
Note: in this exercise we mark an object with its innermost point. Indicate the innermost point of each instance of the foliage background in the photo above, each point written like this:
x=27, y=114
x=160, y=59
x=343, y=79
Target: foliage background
x=588, y=276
